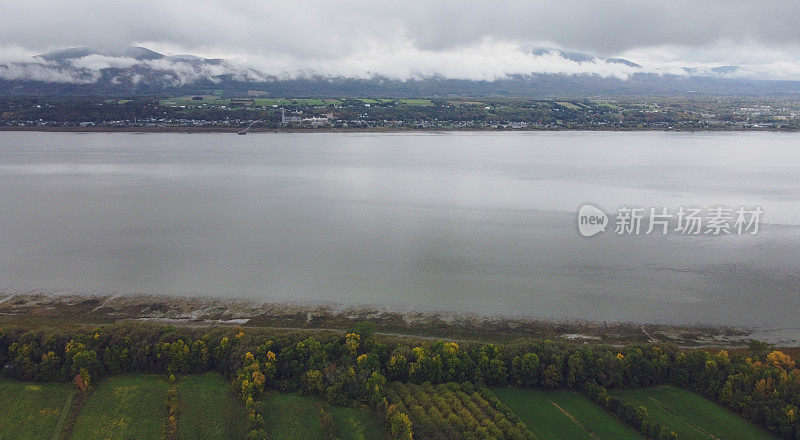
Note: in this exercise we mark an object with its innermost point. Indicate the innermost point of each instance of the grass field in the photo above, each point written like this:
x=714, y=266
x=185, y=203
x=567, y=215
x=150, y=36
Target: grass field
x=564, y=415
x=569, y=105
x=291, y=416
x=608, y=105
x=208, y=409
x=416, y=102
x=356, y=424
x=189, y=101
x=691, y=416
x=32, y=410
x=267, y=102
x=124, y=407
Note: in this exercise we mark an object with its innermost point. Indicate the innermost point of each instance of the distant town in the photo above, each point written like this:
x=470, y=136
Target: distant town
x=258, y=113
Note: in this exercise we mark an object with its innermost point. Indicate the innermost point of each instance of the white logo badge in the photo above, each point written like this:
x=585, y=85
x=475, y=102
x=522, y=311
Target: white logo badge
x=591, y=220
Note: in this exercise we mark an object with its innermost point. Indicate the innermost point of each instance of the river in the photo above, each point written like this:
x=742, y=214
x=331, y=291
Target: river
x=466, y=222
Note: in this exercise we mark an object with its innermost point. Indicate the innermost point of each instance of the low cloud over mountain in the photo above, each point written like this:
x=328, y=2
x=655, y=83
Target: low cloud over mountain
x=130, y=66
x=517, y=70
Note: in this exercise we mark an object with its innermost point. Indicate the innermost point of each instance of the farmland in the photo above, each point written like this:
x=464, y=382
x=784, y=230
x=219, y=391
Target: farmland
x=691, y=416
x=449, y=411
x=209, y=409
x=133, y=407
x=291, y=416
x=566, y=415
x=420, y=389
x=124, y=407
x=32, y=410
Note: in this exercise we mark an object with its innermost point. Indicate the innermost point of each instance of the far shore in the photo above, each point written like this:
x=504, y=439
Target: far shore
x=189, y=130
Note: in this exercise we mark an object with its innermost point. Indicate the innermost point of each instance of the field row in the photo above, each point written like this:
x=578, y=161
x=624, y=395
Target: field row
x=691, y=416
x=566, y=415
x=134, y=407
x=569, y=415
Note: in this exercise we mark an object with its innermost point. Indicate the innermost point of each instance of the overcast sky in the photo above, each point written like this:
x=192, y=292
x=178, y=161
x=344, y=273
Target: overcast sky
x=459, y=38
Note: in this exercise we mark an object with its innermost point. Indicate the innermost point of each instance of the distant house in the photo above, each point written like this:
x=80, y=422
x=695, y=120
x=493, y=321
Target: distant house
x=291, y=119
x=316, y=121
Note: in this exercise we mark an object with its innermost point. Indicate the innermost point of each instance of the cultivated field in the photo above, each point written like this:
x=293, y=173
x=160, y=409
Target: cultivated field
x=691, y=416
x=133, y=407
x=32, y=411
x=455, y=411
x=208, y=409
x=124, y=407
x=564, y=415
x=290, y=417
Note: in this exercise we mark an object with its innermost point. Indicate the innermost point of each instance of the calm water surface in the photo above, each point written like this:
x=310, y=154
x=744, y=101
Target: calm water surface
x=478, y=222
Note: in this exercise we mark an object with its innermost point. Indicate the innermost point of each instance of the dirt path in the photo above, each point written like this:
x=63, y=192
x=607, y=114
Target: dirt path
x=684, y=420
x=576, y=421
x=75, y=407
x=64, y=414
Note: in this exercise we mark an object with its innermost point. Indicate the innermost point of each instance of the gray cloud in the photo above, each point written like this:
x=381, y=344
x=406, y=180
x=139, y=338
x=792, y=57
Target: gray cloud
x=403, y=63
x=89, y=69
x=454, y=38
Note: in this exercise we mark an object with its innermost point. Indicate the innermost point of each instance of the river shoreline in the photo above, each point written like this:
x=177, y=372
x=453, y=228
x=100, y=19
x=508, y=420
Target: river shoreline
x=37, y=310
x=231, y=130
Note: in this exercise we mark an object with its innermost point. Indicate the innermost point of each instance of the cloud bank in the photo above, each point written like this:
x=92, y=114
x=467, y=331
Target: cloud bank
x=406, y=40
x=400, y=63
x=91, y=68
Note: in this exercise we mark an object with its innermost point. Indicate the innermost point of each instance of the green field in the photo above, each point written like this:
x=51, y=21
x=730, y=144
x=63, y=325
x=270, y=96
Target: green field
x=564, y=415
x=569, y=105
x=356, y=424
x=209, y=409
x=608, y=105
x=416, y=102
x=268, y=102
x=124, y=407
x=32, y=410
x=291, y=416
x=691, y=416
x=188, y=101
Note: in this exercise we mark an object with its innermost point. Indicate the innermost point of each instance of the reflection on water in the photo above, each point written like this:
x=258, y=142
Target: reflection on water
x=478, y=222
